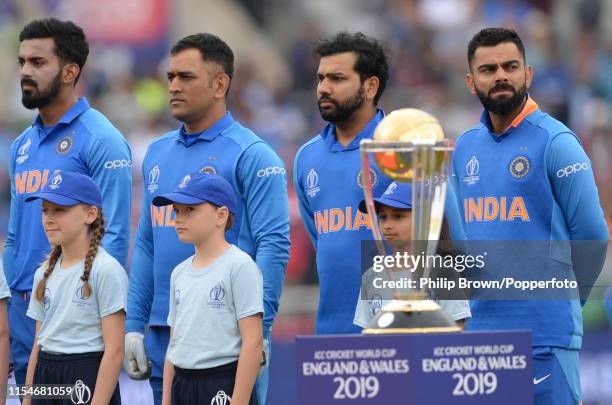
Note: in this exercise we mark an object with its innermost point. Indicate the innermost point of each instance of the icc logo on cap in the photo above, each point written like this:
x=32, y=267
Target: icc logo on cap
x=56, y=181
x=185, y=181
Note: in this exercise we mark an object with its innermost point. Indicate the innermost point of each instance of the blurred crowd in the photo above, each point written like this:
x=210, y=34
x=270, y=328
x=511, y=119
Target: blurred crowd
x=568, y=44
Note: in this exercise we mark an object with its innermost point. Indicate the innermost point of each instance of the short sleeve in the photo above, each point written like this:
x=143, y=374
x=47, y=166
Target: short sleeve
x=363, y=314
x=172, y=300
x=456, y=309
x=36, y=308
x=111, y=284
x=247, y=289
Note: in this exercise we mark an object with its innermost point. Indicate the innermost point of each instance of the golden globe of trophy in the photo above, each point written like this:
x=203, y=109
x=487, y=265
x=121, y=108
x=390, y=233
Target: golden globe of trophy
x=409, y=146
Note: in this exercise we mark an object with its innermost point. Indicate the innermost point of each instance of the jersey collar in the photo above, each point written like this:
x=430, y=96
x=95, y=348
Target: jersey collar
x=73, y=113
x=329, y=134
x=529, y=108
x=207, y=135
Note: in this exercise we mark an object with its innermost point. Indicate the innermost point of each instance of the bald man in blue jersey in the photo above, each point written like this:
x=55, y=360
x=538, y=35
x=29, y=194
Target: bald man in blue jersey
x=522, y=175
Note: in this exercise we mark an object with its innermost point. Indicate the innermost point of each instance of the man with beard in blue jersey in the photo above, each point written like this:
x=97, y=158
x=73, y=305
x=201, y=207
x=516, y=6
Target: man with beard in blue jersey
x=352, y=75
x=67, y=135
x=522, y=175
x=209, y=140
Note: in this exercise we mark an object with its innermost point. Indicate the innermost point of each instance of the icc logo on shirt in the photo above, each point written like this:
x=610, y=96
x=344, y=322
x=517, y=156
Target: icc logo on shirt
x=217, y=293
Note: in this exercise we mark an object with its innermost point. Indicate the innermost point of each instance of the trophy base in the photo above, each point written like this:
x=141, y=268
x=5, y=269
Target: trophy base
x=411, y=313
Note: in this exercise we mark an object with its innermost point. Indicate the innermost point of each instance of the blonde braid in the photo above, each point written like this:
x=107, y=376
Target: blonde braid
x=97, y=232
x=50, y=265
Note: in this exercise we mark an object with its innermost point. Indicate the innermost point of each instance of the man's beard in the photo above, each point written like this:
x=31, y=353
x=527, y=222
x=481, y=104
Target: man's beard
x=36, y=98
x=342, y=111
x=505, y=105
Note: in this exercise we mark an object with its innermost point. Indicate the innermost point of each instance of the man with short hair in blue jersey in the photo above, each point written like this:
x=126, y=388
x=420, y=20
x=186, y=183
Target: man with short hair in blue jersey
x=352, y=76
x=209, y=140
x=522, y=175
x=353, y=73
x=66, y=135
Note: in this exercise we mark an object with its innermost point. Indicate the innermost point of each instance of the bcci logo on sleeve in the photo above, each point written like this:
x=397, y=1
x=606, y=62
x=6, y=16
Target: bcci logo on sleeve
x=221, y=399
x=471, y=169
x=312, y=180
x=153, y=179
x=22, y=152
x=216, y=295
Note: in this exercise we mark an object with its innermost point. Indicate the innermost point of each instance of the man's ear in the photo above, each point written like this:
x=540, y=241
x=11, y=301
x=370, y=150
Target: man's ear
x=70, y=72
x=371, y=86
x=469, y=82
x=221, y=84
x=528, y=76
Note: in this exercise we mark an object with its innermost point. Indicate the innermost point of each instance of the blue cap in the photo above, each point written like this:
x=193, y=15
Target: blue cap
x=68, y=189
x=397, y=195
x=198, y=188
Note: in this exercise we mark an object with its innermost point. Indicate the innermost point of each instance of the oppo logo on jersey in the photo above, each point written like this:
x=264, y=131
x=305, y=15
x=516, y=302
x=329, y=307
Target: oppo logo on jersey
x=162, y=216
x=30, y=181
x=336, y=219
x=494, y=209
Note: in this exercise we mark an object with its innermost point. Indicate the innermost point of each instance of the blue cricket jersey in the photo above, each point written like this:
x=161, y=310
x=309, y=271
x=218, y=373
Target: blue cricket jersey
x=328, y=182
x=82, y=141
x=329, y=186
x=261, y=225
x=533, y=182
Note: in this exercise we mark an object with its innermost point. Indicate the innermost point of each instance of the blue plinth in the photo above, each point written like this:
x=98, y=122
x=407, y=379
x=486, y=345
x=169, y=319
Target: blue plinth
x=452, y=368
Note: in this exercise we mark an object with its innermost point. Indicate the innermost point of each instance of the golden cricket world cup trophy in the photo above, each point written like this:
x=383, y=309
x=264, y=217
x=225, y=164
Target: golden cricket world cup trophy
x=409, y=146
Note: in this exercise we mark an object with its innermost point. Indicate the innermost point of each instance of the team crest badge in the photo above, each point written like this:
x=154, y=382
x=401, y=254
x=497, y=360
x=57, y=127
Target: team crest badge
x=373, y=178
x=519, y=167
x=208, y=169
x=64, y=145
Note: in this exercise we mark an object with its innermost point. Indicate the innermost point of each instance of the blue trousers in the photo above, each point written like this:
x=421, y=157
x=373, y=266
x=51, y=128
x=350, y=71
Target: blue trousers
x=556, y=376
x=21, y=332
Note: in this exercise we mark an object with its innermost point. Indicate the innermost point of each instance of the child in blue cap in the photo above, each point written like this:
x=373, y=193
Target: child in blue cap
x=216, y=302
x=80, y=297
x=394, y=209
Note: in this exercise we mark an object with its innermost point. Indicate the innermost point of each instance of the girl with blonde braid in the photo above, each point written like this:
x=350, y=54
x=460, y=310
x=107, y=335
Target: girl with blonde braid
x=80, y=298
